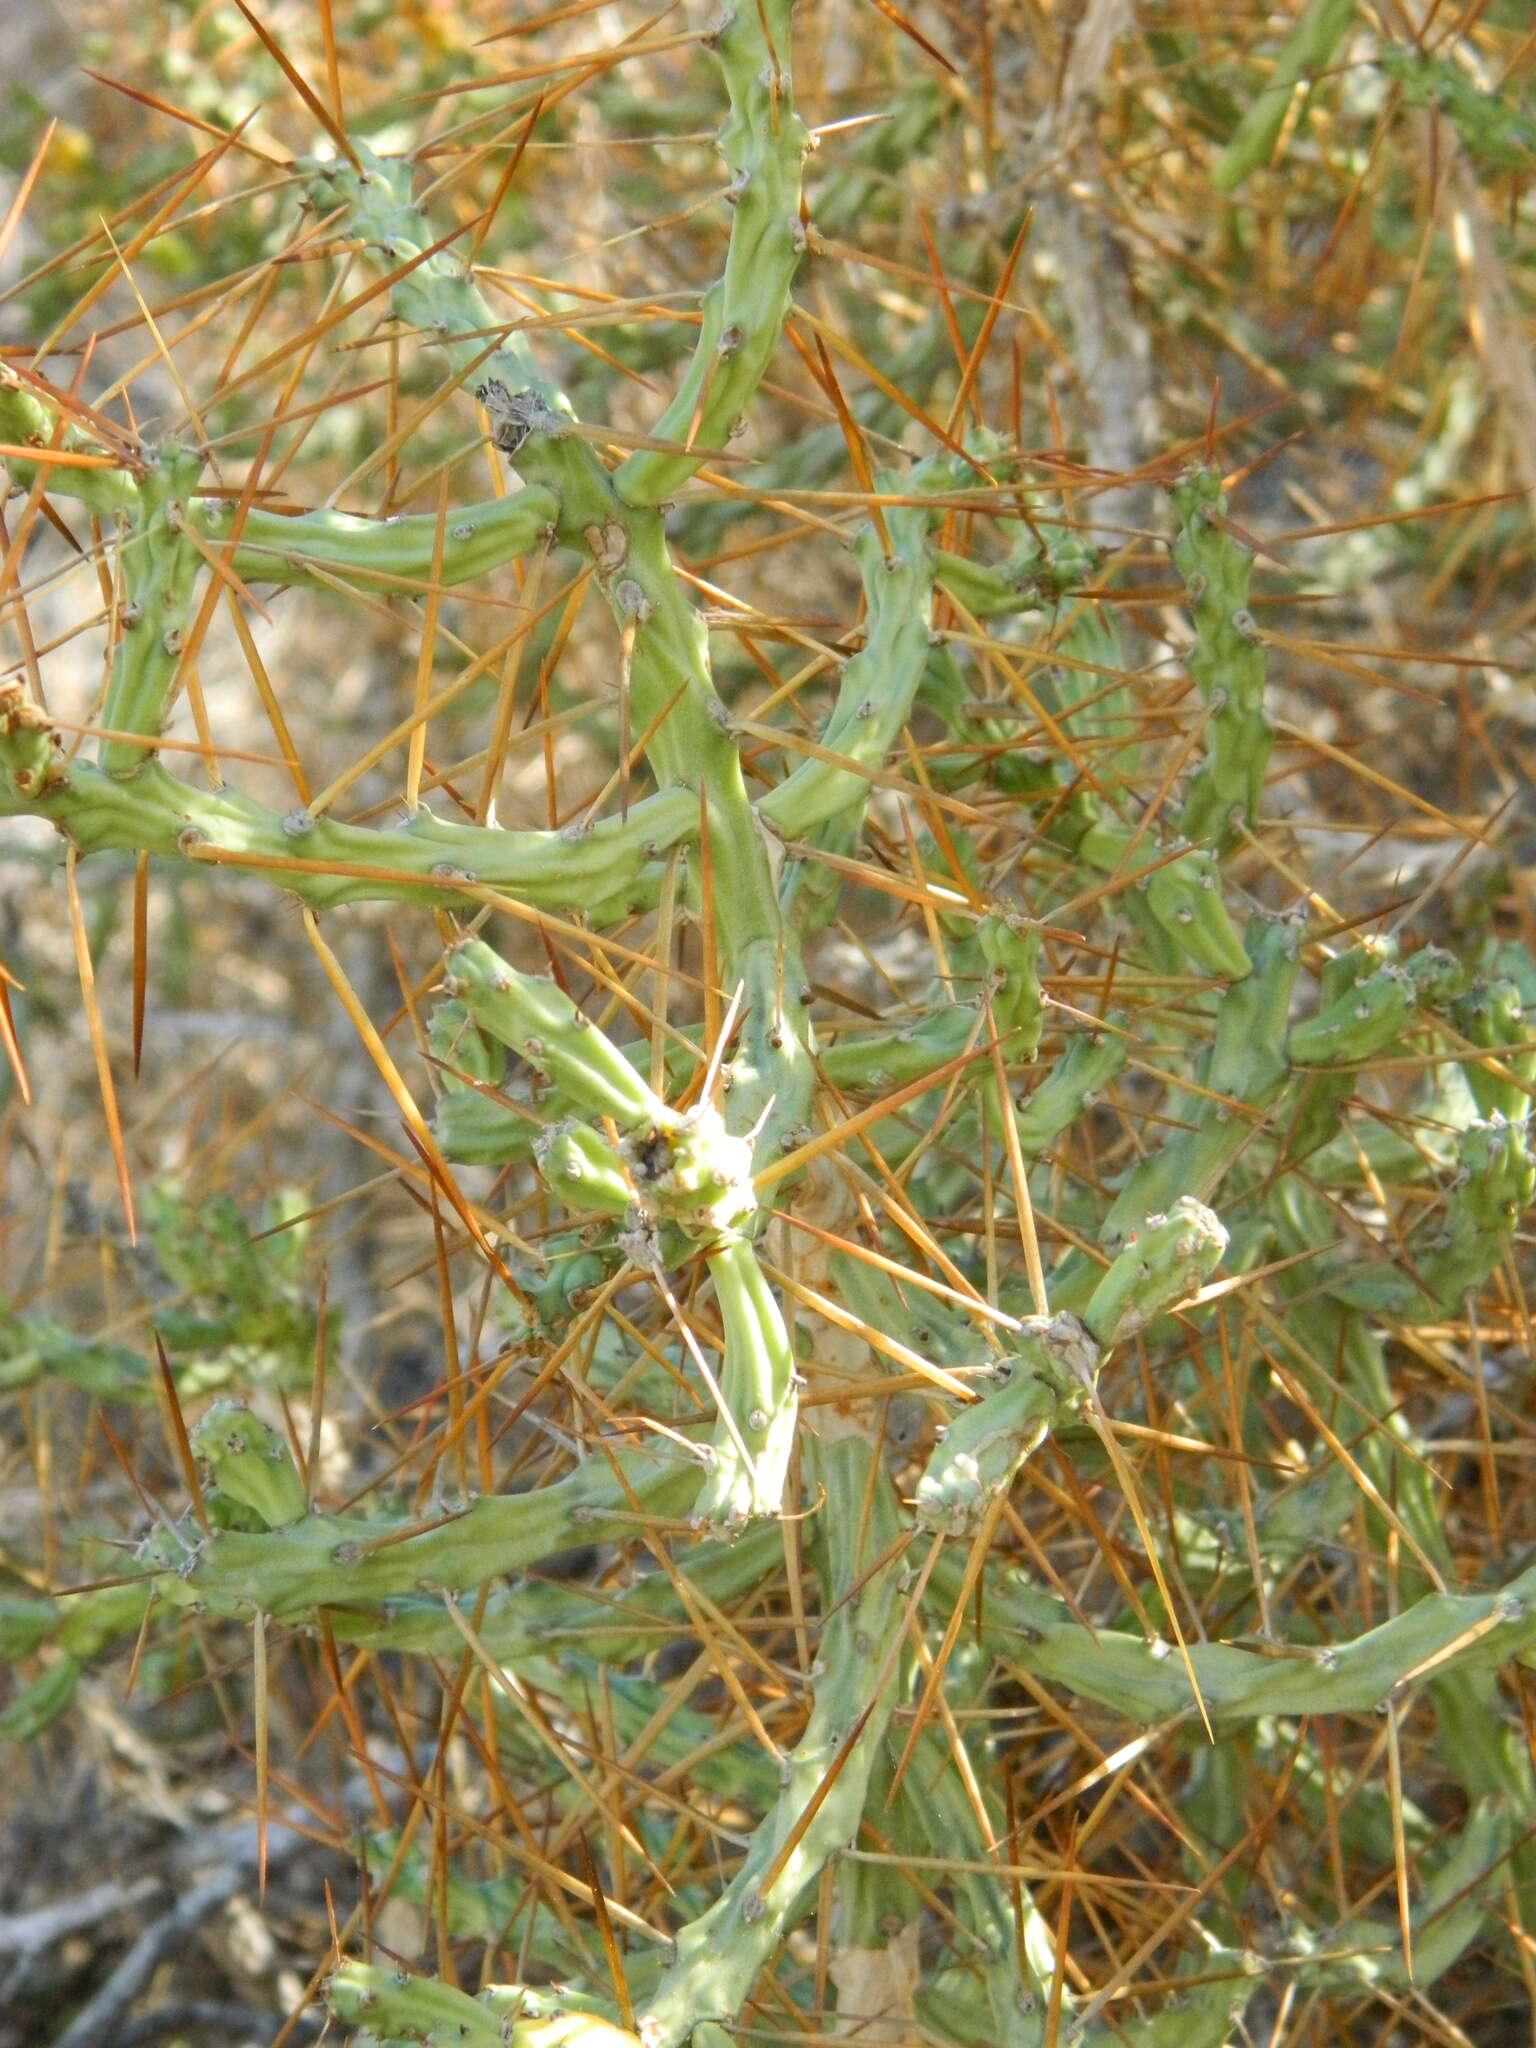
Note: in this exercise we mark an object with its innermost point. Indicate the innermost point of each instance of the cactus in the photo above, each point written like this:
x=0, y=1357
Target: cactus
x=932, y=1205
x=1307, y=51
x=1058, y=1363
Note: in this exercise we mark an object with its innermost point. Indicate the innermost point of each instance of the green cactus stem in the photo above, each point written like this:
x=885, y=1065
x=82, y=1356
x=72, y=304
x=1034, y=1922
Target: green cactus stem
x=384, y=554
x=476, y=1130
x=755, y=1437
x=1247, y=1068
x=720, y=1954
x=1163, y=1262
x=1452, y=1254
x=1056, y=1365
x=1009, y=1953
x=274, y=547
x=880, y=683
x=38, y=1705
x=1374, y=1009
x=1308, y=50
x=689, y=1170
x=468, y=1059
x=672, y=692
x=764, y=143
x=36, y=1347
x=108, y=487
x=1011, y=950
x=357, y=1562
x=1441, y=1633
x=1087, y=1065
x=1492, y=1015
x=1226, y=663
x=987, y=1443
x=1449, y=1914
x=1178, y=897
x=429, y=860
x=532, y=1015
x=160, y=572
x=78, y=1627
x=584, y=1170
x=1054, y=829
x=537, y=1620
x=417, y=2012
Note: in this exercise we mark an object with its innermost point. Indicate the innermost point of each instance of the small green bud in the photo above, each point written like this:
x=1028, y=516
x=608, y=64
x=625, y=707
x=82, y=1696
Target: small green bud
x=1162, y=1262
x=250, y=1463
x=583, y=1169
x=987, y=1442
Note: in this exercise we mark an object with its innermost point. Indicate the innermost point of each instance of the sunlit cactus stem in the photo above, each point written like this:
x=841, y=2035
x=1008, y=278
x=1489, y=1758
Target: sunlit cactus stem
x=398, y=2008
x=1374, y=1007
x=28, y=419
x=1447, y=1633
x=362, y=1561
x=1163, y=1263
x=1071, y=1087
x=987, y=1442
x=756, y=1434
x=160, y=570
x=763, y=142
x=430, y=860
x=1056, y=1362
x=1176, y=892
x=1242, y=1077
x=533, y=1016
x=391, y=554
x=720, y=1954
x=305, y=548
x=879, y=684
x=671, y=689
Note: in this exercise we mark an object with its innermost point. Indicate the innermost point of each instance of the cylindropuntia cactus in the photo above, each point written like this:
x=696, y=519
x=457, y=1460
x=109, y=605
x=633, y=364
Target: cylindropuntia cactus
x=765, y=1191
